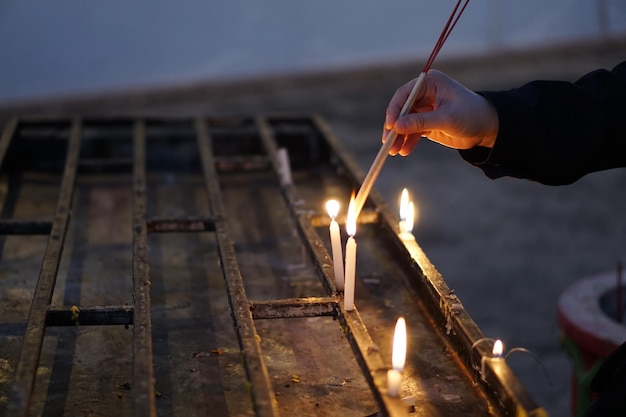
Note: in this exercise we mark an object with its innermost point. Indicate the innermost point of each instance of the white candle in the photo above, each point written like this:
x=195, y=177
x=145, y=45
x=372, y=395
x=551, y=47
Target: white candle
x=394, y=380
x=350, y=274
x=398, y=357
x=496, y=355
x=332, y=206
x=284, y=167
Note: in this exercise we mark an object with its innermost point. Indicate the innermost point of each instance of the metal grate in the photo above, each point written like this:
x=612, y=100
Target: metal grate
x=230, y=156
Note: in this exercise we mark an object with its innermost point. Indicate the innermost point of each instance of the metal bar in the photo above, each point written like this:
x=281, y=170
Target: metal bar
x=261, y=389
x=7, y=135
x=191, y=224
x=271, y=148
x=372, y=365
x=143, y=373
x=365, y=349
x=308, y=233
x=90, y=316
x=25, y=227
x=110, y=164
x=315, y=250
x=30, y=353
x=241, y=163
x=294, y=308
x=322, y=219
x=508, y=390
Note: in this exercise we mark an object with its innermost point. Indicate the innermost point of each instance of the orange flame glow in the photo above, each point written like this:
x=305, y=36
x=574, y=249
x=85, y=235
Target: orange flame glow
x=398, y=356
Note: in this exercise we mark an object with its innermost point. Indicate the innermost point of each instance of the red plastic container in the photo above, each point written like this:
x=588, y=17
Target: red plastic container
x=588, y=314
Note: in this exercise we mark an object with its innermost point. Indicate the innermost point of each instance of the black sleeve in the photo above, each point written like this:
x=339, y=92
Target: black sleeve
x=555, y=132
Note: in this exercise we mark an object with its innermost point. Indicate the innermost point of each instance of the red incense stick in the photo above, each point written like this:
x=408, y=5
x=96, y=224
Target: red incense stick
x=377, y=165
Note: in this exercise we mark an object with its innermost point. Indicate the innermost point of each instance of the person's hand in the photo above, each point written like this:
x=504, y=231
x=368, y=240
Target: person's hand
x=445, y=112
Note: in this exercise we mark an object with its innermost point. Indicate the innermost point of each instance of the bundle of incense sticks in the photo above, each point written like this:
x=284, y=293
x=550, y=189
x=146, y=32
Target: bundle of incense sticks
x=377, y=165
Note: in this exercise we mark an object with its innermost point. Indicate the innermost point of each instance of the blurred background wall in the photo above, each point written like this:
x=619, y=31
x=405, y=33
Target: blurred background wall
x=73, y=47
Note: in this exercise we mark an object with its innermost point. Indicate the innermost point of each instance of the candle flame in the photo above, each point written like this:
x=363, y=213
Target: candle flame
x=351, y=218
x=498, y=348
x=410, y=217
x=404, y=203
x=332, y=207
x=398, y=356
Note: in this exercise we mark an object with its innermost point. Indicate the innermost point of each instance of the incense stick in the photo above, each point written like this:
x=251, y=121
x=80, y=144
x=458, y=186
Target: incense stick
x=379, y=161
x=381, y=157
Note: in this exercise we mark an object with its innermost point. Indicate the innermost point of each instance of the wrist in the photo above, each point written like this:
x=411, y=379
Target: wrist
x=490, y=123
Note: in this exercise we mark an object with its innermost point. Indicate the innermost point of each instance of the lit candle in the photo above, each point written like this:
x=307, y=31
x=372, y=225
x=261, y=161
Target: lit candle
x=398, y=357
x=348, y=293
x=332, y=206
x=406, y=226
x=496, y=355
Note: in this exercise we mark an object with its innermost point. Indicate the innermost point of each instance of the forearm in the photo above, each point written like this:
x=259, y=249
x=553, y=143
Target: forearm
x=555, y=132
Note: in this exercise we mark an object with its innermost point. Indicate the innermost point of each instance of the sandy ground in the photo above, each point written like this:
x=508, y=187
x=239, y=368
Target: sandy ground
x=508, y=247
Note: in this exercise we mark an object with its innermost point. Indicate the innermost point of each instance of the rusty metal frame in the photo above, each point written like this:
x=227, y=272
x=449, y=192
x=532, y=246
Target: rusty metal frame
x=143, y=374
x=35, y=329
x=504, y=387
x=264, y=400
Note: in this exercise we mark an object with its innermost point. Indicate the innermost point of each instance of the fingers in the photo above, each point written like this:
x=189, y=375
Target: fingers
x=408, y=131
x=404, y=145
x=396, y=103
x=394, y=108
x=420, y=123
x=410, y=142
